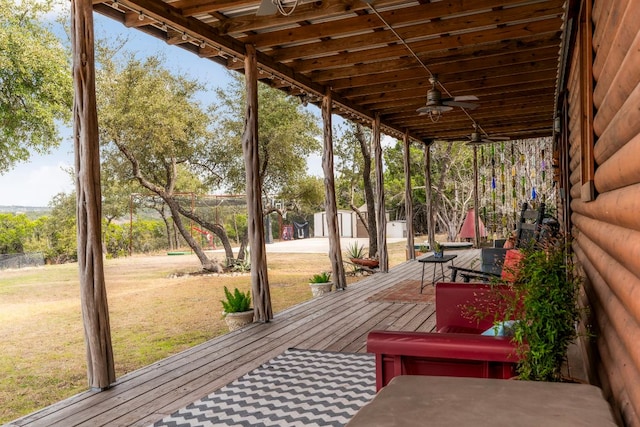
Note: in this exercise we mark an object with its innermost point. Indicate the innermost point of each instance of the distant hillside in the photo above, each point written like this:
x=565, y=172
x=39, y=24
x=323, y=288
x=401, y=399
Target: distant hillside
x=30, y=211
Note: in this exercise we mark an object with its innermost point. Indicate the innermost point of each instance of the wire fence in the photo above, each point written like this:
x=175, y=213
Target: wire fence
x=21, y=260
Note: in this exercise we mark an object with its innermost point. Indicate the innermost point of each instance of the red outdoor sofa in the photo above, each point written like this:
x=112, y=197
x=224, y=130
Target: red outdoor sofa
x=458, y=348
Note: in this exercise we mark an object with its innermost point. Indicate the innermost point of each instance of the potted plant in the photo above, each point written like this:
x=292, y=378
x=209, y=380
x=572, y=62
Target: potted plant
x=438, y=250
x=547, y=288
x=355, y=253
x=320, y=284
x=542, y=309
x=237, y=308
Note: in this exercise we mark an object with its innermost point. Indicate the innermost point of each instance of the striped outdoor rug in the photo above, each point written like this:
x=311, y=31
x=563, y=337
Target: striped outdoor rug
x=296, y=388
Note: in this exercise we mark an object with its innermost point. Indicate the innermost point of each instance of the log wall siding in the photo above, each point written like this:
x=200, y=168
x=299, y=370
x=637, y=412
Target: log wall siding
x=607, y=230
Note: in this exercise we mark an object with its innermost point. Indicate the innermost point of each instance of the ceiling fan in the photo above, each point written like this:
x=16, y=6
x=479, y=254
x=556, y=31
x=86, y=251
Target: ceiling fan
x=436, y=104
x=477, y=138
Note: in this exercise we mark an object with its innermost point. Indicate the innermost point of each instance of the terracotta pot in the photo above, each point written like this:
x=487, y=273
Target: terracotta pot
x=371, y=263
x=319, y=289
x=238, y=320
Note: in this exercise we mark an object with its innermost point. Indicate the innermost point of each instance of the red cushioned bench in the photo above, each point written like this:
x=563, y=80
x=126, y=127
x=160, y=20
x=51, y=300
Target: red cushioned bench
x=457, y=348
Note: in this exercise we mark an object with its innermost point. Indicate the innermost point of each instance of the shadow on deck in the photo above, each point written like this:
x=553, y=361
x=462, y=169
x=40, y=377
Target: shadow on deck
x=339, y=321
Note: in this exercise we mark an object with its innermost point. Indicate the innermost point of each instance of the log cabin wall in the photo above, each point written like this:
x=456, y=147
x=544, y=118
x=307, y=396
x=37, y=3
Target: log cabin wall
x=603, y=94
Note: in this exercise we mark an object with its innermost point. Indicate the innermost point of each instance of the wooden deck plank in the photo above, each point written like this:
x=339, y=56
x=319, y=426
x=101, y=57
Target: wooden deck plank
x=338, y=321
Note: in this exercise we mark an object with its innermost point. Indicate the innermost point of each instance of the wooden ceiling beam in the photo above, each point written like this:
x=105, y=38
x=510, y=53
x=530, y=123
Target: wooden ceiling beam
x=523, y=129
x=341, y=59
x=378, y=82
x=473, y=64
x=445, y=56
x=538, y=105
x=367, y=22
x=474, y=87
x=514, y=115
x=304, y=12
x=413, y=34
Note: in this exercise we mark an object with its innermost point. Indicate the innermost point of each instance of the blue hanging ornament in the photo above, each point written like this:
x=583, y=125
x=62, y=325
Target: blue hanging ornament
x=534, y=194
x=493, y=183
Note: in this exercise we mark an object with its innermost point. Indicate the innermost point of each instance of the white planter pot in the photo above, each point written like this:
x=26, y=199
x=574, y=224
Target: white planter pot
x=319, y=289
x=238, y=320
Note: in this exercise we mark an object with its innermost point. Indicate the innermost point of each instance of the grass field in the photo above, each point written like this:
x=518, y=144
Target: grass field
x=153, y=314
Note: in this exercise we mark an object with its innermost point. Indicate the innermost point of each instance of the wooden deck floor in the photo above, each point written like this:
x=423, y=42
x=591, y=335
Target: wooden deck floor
x=339, y=321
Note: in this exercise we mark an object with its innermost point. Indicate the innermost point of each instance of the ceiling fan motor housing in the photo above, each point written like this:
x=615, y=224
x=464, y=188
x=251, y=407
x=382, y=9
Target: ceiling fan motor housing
x=434, y=97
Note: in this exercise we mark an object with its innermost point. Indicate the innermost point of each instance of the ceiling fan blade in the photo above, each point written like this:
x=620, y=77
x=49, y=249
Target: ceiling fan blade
x=267, y=7
x=465, y=98
x=466, y=105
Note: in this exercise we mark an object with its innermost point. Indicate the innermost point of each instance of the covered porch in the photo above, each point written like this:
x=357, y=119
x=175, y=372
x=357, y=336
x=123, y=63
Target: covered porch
x=566, y=69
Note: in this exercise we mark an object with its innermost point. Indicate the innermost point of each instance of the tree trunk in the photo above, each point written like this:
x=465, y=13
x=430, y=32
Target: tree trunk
x=368, y=192
x=428, y=195
x=174, y=207
x=335, y=253
x=381, y=218
x=408, y=197
x=216, y=229
x=476, y=219
x=259, y=277
x=93, y=293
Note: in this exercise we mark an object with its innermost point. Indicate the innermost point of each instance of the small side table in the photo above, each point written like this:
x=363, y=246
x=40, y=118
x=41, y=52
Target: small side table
x=433, y=260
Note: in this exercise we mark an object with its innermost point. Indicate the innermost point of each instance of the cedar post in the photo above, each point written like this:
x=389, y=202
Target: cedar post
x=476, y=217
x=259, y=277
x=93, y=293
x=335, y=252
x=431, y=229
x=408, y=197
x=381, y=218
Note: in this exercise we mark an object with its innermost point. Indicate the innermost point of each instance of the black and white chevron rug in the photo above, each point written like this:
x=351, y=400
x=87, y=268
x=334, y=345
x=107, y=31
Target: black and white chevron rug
x=296, y=388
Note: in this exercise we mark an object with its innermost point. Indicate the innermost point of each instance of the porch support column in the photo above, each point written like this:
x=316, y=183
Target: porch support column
x=476, y=216
x=408, y=197
x=335, y=252
x=431, y=229
x=381, y=219
x=259, y=278
x=93, y=293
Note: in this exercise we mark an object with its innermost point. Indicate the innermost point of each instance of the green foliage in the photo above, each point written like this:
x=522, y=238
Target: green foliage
x=145, y=236
x=14, y=230
x=324, y=277
x=287, y=136
x=35, y=82
x=60, y=243
x=355, y=251
x=437, y=247
x=548, y=286
x=237, y=301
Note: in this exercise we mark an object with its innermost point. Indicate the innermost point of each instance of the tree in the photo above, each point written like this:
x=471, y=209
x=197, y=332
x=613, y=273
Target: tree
x=288, y=135
x=355, y=168
x=452, y=172
x=14, y=231
x=35, y=83
x=151, y=117
x=395, y=185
